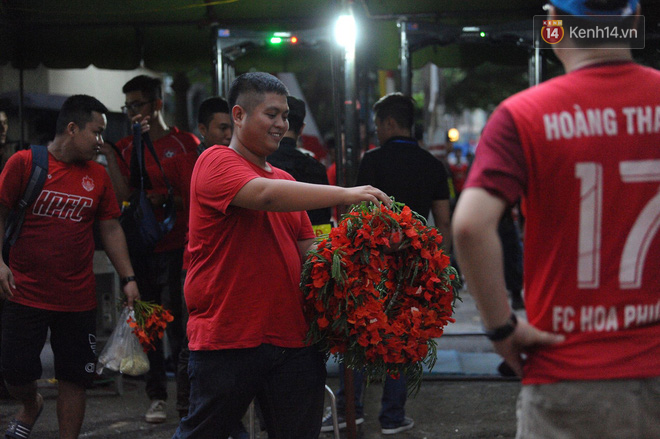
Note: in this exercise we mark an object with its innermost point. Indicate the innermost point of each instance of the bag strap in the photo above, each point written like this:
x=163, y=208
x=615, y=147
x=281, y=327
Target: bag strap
x=32, y=191
x=168, y=223
x=150, y=145
x=139, y=139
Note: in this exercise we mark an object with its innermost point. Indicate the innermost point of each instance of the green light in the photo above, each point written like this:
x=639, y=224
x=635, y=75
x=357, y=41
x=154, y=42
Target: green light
x=276, y=40
x=482, y=34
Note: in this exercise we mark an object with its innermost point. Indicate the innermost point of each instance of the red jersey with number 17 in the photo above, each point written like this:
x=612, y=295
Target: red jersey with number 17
x=584, y=151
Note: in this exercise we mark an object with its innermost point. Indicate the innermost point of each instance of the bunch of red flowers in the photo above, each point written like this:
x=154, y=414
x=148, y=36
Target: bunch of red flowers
x=378, y=289
x=150, y=323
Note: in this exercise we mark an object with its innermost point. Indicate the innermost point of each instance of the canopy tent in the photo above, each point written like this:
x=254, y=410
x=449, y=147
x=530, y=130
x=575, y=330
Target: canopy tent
x=181, y=35
x=176, y=35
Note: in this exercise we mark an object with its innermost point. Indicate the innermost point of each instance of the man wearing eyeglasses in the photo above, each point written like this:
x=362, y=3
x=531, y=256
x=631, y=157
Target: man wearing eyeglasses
x=159, y=274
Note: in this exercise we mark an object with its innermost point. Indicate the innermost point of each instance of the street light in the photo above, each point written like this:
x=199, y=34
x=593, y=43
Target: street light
x=346, y=32
x=453, y=135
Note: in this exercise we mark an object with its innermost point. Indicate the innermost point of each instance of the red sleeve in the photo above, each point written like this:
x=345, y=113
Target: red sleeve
x=499, y=165
x=220, y=174
x=306, y=229
x=14, y=177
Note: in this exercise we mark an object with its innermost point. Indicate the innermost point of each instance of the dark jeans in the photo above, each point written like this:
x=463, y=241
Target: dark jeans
x=512, y=252
x=182, y=380
x=392, y=403
x=288, y=383
x=159, y=280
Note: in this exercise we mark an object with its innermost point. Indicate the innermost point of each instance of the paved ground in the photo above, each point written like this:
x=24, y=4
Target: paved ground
x=463, y=397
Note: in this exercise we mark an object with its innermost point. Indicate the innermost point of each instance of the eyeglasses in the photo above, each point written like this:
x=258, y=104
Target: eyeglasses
x=134, y=107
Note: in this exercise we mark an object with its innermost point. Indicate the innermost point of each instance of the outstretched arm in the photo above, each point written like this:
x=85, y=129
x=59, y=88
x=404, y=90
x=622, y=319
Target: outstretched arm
x=479, y=252
x=290, y=196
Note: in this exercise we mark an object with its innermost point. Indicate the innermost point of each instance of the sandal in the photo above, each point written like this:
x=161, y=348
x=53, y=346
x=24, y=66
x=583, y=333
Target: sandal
x=20, y=430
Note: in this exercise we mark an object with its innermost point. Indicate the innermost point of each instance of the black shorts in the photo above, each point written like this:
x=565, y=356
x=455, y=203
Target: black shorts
x=72, y=338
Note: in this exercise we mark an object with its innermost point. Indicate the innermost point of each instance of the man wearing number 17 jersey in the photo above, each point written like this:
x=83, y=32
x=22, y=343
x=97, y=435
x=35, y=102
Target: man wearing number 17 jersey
x=583, y=152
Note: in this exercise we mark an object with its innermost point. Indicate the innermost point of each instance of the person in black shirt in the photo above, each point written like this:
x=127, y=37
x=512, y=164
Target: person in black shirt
x=301, y=166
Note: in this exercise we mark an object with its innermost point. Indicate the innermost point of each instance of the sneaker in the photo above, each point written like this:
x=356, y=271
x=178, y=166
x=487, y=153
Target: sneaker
x=406, y=424
x=327, y=425
x=156, y=413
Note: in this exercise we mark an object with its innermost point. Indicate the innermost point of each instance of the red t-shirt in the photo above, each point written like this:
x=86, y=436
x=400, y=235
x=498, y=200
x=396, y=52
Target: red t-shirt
x=52, y=260
x=177, y=146
x=242, y=287
x=583, y=151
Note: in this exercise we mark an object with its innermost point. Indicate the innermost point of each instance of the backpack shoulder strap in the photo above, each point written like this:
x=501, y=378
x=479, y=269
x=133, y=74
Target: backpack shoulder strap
x=32, y=191
x=37, y=176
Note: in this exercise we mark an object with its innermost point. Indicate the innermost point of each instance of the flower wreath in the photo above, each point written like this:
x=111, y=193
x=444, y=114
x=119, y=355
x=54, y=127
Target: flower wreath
x=378, y=289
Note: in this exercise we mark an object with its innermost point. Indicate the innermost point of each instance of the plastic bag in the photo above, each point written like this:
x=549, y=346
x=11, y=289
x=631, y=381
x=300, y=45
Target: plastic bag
x=123, y=352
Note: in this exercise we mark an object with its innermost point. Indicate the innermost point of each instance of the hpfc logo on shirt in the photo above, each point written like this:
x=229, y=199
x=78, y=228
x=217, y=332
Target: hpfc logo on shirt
x=552, y=31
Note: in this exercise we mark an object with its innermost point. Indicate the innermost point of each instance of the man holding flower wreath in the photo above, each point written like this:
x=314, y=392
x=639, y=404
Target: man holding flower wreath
x=248, y=234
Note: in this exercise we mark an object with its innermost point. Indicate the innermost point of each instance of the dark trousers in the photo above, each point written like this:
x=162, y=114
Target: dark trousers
x=288, y=383
x=159, y=280
x=392, y=403
x=512, y=252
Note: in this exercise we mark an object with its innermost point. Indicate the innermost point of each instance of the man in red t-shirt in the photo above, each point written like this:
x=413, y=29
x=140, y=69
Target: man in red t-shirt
x=158, y=273
x=582, y=152
x=248, y=234
x=50, y=280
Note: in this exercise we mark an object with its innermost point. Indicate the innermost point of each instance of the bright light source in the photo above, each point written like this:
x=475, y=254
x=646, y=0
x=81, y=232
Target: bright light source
x=346, y=31
x=294, y=40
x=482, y=34
x=453, y=135
x=275, y=40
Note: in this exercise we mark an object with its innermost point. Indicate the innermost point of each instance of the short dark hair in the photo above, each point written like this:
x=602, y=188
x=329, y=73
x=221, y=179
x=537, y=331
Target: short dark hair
x=297, y=113
x=399, y=107
x=78, y=109
x=254, y=83
x=209, y=107
x=151, y=88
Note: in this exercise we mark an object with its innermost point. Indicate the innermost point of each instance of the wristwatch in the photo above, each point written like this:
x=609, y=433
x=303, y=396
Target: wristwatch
x=502, y=332
x=124, y=280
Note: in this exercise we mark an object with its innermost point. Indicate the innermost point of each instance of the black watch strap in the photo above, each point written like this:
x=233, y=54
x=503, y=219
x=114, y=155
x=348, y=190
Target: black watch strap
x=124, y=280
x=502, y=332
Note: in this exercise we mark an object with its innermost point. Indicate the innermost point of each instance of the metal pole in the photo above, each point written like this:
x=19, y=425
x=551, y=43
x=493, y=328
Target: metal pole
x=216, y=60
x=229, y=74
x=348, y=156
x=337, y=94
x=21, y=104
x=351, y=121
x=536, y=62
x=406, y=67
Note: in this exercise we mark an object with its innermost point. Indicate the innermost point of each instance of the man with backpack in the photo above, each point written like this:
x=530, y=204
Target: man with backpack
x=49, y=279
